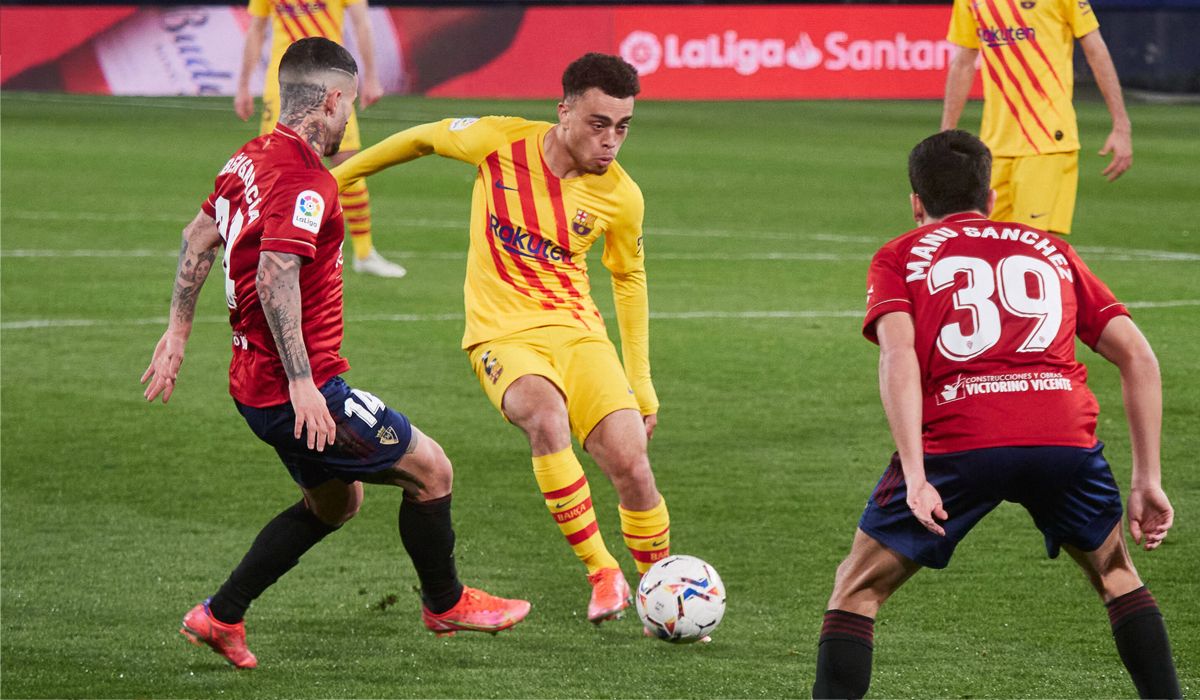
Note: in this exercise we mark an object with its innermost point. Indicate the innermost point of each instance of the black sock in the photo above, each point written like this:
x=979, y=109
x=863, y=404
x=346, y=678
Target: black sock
x=844, y=655
x=275, y=551
x=1141, y=638
x=428, y=536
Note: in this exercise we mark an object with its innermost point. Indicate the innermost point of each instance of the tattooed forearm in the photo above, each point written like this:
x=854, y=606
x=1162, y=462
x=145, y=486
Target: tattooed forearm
x=196, y=255
x=189, y=279
x=278, y=284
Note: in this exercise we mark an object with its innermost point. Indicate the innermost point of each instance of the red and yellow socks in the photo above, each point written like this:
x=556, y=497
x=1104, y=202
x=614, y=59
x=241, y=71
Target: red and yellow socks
x=647, y=534
x=569, y=499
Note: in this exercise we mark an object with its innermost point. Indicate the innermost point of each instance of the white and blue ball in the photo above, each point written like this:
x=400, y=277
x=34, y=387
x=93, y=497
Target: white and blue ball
x=681, y=599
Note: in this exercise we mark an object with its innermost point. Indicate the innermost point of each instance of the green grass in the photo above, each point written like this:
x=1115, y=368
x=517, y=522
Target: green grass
x=118, y=516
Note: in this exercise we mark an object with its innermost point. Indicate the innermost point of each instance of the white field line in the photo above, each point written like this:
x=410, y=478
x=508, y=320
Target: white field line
x=39, y=323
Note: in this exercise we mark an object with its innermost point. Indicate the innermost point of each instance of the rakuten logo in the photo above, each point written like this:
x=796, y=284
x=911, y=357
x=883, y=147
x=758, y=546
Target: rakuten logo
x=747, y=56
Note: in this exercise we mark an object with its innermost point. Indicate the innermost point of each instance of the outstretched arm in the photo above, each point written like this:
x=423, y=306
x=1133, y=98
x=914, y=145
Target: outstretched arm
x=278, y=285
x=196, y=255
x=1150, y=513
x=958, y=85
x=398, y=148
x=900, y=390
x=1120, y=139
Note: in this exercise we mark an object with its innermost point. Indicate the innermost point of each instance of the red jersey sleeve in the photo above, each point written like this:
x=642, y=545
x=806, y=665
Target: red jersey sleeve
x=886, y=290
x=1096, y=303
x=209, y=206
x=296, y=211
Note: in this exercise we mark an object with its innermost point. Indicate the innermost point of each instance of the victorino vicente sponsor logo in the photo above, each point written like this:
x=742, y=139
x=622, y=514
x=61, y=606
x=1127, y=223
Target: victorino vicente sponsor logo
x=836, y=50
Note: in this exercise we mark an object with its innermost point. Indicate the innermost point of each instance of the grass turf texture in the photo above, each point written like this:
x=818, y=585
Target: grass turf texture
x=118, y=516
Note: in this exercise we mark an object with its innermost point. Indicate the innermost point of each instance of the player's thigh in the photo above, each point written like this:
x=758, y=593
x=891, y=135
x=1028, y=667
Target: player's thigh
x=499, y=363
x=1071, y=494
x=594, y=379
x=1044, y=190
x=869, y=575
x=1002, y=169
x=424, y=471
x=370, y=436
x=961, y=479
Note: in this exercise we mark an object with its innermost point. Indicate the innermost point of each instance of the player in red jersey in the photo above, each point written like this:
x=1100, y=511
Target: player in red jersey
x=975, y=321
x=275, y=209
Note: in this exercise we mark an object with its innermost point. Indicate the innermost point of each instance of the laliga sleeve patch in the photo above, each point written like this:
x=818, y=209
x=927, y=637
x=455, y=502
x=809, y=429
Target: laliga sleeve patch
x=310, y=207
x=462, y=123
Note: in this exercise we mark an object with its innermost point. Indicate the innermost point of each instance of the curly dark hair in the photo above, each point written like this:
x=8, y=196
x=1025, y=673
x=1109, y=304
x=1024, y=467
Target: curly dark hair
x=951, y=172
x=612, y=75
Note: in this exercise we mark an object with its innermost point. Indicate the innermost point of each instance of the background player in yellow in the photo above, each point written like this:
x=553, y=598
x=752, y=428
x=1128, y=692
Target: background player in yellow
x=544, y=194
x=1028, y=119
x=292, y=20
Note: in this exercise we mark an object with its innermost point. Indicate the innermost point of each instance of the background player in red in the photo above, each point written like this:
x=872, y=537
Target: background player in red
x=975, y=321
x=275, y=209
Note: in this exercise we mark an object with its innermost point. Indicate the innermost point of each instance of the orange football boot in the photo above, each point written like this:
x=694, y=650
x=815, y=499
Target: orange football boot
x=200, y=627
x=610, y=595
x=476, y=611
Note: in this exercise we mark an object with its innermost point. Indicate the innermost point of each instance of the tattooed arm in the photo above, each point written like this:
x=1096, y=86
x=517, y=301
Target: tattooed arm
x=196, y=255
x=278, y=285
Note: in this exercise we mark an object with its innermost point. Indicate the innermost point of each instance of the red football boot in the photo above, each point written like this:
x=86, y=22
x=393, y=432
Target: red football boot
x=200, y=627
x=476, y=611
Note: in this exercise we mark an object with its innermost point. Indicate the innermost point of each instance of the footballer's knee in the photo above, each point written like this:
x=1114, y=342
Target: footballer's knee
x=425, y=472
x=535, y=405
x=334, y=502
x=1109, y=567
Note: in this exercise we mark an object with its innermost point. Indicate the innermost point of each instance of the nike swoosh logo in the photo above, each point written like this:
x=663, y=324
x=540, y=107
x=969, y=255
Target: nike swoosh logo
x=658, y=543
x=1034, y=216
x=565, y=503
x=500, y=186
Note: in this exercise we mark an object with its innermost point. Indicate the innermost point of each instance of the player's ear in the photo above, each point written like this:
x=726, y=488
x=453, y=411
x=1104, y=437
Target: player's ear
x=563, y=109
x=991, y=203
x=918, y=209
x=332, y=97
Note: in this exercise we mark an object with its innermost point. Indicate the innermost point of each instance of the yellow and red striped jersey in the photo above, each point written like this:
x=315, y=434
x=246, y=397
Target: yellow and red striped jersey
x=530, y=232
x=1028, y=77
x=293, y=20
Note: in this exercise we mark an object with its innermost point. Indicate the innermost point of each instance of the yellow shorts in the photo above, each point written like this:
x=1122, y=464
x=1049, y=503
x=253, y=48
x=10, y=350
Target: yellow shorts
x=1037, y=190
x=584, y=367
x=351, y=141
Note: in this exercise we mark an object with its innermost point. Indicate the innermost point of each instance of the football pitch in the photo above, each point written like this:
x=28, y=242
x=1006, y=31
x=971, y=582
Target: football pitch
x=117, y=516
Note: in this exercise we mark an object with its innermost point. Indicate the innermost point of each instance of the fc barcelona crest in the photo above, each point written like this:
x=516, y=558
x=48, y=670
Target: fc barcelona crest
x=583, y=223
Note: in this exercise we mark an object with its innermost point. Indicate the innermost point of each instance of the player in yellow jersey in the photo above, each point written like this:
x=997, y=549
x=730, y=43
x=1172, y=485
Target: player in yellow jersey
x=1028, y=119
x=296, y=19
x=543, y=195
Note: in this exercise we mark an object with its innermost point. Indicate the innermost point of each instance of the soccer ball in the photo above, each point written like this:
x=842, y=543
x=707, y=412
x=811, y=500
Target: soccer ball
x=681, y=599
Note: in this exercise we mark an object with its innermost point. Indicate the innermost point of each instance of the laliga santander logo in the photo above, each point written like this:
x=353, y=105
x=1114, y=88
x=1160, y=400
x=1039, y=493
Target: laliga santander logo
x=746, y=56
x=646, y=53
x=642, y=51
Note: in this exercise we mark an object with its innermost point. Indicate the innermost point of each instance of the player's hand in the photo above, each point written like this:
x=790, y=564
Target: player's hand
x=926, y=504
x=164, y=366
x=243, y=104
x=370, y=93
x=312, y=415
x=650, y=421
x=1150, y=516
x=1120, y=144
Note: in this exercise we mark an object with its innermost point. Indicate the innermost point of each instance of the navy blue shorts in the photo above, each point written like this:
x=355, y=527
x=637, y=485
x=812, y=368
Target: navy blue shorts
x=1069, y=491
x=370, y=436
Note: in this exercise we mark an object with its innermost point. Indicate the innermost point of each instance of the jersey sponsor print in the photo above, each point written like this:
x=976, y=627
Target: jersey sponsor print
x=996, y=308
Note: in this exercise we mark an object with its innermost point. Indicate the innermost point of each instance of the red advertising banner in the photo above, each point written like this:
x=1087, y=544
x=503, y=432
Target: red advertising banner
x=694, y=52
